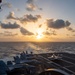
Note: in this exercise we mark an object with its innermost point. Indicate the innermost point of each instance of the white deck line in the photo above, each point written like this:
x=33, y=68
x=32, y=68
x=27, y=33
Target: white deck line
x=68, y=57
x=68, y=62
x=57, y=64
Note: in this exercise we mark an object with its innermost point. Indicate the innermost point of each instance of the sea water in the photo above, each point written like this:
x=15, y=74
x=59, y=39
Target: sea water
x=10, y=49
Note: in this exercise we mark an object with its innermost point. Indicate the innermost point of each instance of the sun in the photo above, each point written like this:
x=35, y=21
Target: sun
x=39, y=36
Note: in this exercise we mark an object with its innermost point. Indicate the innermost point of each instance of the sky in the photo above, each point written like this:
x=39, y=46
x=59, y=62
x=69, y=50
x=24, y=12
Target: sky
x=37, y=20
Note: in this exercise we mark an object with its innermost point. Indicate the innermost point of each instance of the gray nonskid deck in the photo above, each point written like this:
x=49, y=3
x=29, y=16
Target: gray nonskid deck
x=67, y=63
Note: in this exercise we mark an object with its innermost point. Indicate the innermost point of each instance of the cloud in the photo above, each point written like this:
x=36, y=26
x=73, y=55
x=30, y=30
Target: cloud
x=49, y=33
x=26, y=18
x=53, y=32
x=9, y=25
x=17, y=9
x=6, y=4
x=73, y=34
x=25, y=32
x=70, y=29
x=11, y=15
x=1, y=33
x=40, y=8
x=30, y=1
x=31, y=5
x=46, y=33
x=57, y=24
x=40, y=26
x=30, y=18
x=68, y=23
x=8, y=33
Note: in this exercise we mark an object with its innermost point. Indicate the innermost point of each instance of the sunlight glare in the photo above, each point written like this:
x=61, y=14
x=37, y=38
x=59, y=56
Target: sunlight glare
x=39, y=34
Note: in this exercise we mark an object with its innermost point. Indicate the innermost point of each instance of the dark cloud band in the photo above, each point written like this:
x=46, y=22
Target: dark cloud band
x=59, y=23
x=9, y=26
x=25, y=32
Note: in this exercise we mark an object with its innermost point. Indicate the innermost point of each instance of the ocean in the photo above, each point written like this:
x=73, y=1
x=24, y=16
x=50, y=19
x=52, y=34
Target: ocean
x=10, y=49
